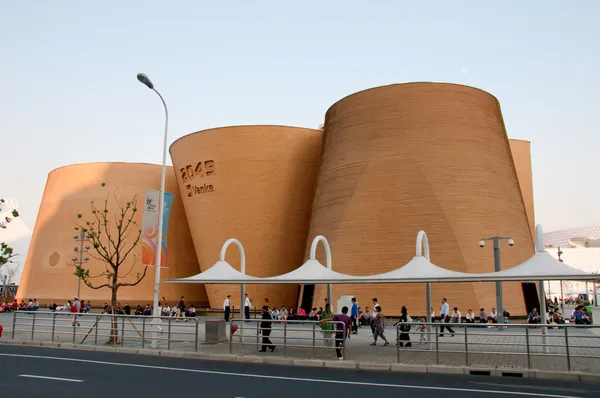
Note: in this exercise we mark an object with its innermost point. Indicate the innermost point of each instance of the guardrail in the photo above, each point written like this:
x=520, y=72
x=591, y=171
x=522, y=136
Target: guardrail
x=288, y=336
x=88, y=328
x=566, y=341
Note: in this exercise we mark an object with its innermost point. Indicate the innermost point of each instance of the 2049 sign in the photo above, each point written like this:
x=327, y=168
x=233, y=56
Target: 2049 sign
x=200, y=169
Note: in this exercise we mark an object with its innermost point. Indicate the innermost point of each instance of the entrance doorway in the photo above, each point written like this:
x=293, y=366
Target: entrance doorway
x=530, y=294
x=307, y=297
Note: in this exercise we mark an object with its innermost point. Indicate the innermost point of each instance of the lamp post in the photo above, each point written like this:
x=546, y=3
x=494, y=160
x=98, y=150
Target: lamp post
x=496, y=241
x=562, y=297
x=161, y=203
x=81, y=260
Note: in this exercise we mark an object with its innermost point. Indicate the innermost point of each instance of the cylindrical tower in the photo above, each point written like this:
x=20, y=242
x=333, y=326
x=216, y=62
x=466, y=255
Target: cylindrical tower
x=521, y=153
x=420, y=156
x=255, y=184
x=48, y=274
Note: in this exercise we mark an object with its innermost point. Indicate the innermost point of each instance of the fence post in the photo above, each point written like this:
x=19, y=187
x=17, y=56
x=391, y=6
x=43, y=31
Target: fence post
x=466, y=347
x=527, y=344
x=53, y=325
x=14, y=324
x=257, y=333
x=314, y=337
x=345, y=336
x=437, y=348
x=98, y=318
x=144, y=332
x=122, y=330
x=33, y=326
x=230, y=336
x=567, y=348
x=74, y=326
x=169, y=336
x=398, y=342
x=197, y=326
x=284, y=336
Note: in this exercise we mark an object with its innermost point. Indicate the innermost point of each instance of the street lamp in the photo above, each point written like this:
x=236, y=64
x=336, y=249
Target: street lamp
x=496, y=241
x=81, y=260
x=161, y=202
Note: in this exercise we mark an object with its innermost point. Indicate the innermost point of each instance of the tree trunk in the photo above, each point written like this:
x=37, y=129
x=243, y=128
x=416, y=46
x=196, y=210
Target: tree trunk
x=114, y=327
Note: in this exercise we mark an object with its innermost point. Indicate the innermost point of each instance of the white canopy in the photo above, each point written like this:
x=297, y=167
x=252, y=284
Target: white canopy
x=313, y=272
x=541, y=266
x=220, y=273
x=419, y=269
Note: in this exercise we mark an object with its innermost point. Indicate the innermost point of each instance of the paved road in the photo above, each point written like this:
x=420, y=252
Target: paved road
x=43, y=372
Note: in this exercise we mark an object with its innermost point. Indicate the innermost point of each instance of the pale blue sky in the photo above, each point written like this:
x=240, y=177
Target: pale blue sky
x=69, y=92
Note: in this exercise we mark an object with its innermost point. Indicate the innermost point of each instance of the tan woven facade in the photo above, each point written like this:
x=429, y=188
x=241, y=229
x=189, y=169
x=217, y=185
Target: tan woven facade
x=48, y=274
x=255, y=184
x=521, y=153
x=406, y=157
x=391, y=161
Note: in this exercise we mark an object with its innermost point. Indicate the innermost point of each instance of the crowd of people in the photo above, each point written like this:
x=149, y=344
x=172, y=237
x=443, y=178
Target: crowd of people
x=31, y=305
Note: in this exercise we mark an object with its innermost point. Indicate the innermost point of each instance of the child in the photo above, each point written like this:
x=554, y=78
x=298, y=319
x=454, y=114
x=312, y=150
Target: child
x=422, y=329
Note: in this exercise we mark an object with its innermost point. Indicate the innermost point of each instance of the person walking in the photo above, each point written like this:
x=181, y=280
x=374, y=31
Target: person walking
x=326, y=326
x=342, y=330
x=74, y=309
x=405, y=321
x=265, y=329
x=379, y=326
x=354, y=316
x=227, y=307
x=247, y=305
x=445, y=317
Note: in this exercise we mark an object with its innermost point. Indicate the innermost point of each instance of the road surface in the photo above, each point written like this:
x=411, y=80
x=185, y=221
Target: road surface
x=48, y=372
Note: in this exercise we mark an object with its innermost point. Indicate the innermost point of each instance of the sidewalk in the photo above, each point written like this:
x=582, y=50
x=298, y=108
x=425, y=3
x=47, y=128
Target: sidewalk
x=487, y=348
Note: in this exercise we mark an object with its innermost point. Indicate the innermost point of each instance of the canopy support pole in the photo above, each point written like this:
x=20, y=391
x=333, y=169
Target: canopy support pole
x=543, y=317
x=242, y=270
x=423, y=246
x=313, y=256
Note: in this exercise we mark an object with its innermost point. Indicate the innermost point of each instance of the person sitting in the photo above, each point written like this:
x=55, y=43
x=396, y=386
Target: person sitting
x=191, y=311
x=534, y=317
x=470, y=317
x=455, y=317
x=483, y=318
x=301, y=314
x=312, y=316
x=139, y=310
x=493, y=317
x=147, y=310
x=581, y=318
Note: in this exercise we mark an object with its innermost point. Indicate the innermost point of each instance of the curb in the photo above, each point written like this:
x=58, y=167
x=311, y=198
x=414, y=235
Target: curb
x=358, y=366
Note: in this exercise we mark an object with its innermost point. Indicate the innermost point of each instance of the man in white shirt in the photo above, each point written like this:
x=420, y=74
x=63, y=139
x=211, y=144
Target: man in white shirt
x=445, y=317
x=246, y=306
x=227, y=307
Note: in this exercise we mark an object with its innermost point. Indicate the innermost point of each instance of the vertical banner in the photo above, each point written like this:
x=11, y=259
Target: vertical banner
x=150, y=228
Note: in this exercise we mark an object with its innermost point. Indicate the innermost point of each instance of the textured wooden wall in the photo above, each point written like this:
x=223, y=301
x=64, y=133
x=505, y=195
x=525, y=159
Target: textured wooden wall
x=406, y=157
x=521, y=153
x=48, y=273
x=256, y=184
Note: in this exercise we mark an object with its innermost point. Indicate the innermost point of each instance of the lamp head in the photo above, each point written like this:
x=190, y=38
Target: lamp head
x=74, y=259
x=481, y=243
x=511, y=242
x=145, y=80
x=75, y=249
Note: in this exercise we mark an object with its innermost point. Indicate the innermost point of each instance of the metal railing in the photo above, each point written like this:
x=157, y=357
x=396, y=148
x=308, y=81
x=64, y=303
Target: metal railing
x=89, y=328
x=285, y=335
x=528, y=341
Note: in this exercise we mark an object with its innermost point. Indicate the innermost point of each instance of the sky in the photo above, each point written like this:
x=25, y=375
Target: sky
x=70, y=95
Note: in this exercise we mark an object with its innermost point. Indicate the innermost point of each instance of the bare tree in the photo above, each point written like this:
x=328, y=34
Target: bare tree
x=6, y=252
x=113, y=236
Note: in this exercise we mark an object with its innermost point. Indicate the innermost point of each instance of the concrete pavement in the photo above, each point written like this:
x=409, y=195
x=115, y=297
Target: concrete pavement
x=487, y=348
x=40, y=372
